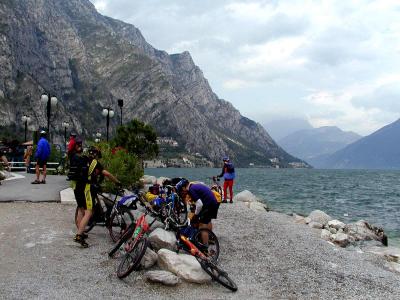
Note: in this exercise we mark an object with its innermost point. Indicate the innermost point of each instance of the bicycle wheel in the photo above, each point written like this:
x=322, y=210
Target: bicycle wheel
x=132, y=258
x=125, y=237
x=217, y=274
x=119, y=222
x=212, y=250
x=180, y=212
x=90, y=224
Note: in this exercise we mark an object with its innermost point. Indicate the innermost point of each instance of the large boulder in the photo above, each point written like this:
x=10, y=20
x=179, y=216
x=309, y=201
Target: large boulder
x=363, y=231
x=315, y=225
x=319, y=216
x=161, y=238
x=164, y=277
x=299, y=219
x=325, y=234
x=257, y=206
x=183, y=265
x=340, y=239
x=147, y=179
x=336, y=224
x=391, y=254
x=245, y=196
x=149, y=259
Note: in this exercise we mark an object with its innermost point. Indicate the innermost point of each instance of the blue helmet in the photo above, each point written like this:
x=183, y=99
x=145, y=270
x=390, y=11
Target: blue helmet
x=225, y=158
x=179, y=186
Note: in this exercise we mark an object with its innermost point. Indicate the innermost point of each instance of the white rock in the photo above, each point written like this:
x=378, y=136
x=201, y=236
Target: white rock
x=316, y=225
x=325, y=235
x=160, y=180
x=336, y=224
x=183, y=265
x=245, y=196
x=147, y=179
x=149, y=259
x=163, y=277
x=161, y=238
x=307, y=220
x=67, y=196
x=299, y=219
x=389, y=253
x=362, y=230
x=258, y=206
x=332, y=230
x=340, y=239
x=319, y=217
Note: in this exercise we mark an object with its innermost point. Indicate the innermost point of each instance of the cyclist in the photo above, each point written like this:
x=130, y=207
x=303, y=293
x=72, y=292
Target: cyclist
x=228, y=172
x=86, y=189
x=205, y=202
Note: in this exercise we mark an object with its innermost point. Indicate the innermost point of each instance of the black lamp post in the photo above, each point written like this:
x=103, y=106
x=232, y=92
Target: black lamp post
x=50, y=101
x=25, y=119
x=121, y=104
x=108, y=113
x=65, y=125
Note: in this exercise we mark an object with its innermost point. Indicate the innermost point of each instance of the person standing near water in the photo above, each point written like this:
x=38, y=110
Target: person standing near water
x=42, y=155
x=228, y=172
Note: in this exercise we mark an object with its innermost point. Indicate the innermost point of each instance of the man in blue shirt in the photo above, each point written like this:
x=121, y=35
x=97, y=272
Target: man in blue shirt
x=42, y=155
x=204, y=199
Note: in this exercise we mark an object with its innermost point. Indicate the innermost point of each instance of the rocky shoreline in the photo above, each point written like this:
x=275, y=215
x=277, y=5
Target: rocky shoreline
x=266, y=253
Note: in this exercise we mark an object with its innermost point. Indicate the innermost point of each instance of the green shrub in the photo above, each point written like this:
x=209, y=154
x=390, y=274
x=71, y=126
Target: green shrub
x=125, y=166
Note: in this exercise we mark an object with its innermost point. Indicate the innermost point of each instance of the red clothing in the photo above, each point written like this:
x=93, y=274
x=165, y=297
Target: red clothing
x=228, y=183
x=71, y=145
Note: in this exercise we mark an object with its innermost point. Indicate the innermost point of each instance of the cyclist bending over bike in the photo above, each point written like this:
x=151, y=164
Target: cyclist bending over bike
x=86, y=188
x=205, y=201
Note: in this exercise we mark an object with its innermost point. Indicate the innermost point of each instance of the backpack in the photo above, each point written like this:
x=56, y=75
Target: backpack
x=80, y=169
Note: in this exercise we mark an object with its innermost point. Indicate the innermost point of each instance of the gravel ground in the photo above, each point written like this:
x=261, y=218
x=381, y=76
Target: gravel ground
x=267, y=255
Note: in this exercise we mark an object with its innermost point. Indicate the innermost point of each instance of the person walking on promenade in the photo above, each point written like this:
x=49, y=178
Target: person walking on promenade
x=42, y=155
x=71, y=145
x=228, y=172
x=27, y=157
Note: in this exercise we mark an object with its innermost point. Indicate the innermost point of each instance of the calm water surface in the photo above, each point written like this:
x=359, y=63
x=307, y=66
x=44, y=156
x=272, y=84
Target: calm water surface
x=348, y=195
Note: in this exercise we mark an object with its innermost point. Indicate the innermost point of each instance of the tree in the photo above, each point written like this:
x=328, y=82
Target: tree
x=138, y=138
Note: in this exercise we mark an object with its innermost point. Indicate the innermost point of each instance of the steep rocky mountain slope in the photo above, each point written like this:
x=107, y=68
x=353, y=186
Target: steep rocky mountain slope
x=313, y=144
x=89, y=61
x=379, y=150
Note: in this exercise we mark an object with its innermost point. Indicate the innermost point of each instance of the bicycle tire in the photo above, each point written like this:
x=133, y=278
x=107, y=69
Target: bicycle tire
x=135, y=256
x=213, y=248
x=126, y=236
x=217, y=274
x=90, y=224
x=180, y=212
x=120, y=223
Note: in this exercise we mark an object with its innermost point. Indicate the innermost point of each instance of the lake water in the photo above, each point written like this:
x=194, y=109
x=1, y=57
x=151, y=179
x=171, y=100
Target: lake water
x=348, y=195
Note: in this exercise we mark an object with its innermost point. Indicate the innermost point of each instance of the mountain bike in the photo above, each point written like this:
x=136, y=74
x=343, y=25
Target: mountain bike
x=111, y=214
x=214, y=185
x=134, y=247
x=206, y=262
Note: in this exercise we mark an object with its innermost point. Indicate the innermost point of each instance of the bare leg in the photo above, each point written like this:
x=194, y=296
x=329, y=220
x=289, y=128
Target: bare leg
x=44, y=172
x=84, y=221
x=37, y=171
x=204, y=234
x=79, y=216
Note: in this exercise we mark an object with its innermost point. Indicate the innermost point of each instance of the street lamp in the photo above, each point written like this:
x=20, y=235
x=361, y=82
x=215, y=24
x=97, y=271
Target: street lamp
x=65, y=125
x=98, y=136
x=121, y=104
x=26, y=119
x=108, y=113
x=50, y=101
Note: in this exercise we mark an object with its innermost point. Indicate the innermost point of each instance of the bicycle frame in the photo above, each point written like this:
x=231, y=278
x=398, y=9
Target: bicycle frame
x=192, y=249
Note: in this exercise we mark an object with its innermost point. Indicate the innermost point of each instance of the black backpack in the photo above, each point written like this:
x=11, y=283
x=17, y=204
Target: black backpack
x=79, y=168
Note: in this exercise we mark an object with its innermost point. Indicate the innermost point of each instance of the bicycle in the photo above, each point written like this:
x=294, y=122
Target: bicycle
x=110, y=213
x=133, y=247
x=215, y=186
x=206, y=262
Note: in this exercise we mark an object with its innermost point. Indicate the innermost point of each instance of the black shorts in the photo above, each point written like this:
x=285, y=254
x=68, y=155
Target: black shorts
x=208, y=213
x=85, y=196
x=41, y=162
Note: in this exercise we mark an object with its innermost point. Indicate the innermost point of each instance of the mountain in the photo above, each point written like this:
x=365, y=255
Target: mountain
x=380, y=150
x=314, y=144
x=278, y=129
x=88, y=61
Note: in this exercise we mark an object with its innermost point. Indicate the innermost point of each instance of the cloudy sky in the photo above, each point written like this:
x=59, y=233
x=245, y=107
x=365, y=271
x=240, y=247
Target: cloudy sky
x=330, y=62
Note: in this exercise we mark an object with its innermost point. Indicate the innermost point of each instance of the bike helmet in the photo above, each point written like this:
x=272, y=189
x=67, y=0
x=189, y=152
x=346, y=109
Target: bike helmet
x=225, y=158
x=43, y=133
x=73, y=134
x=179, y=186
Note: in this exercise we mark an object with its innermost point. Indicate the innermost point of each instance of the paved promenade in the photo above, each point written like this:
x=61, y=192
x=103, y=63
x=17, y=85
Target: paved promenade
x=21, y=189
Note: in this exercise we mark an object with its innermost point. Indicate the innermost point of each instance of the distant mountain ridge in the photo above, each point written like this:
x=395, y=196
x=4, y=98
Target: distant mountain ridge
x=380, y=150
x=313, y=144
x=278, y=129
x=89, y=61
